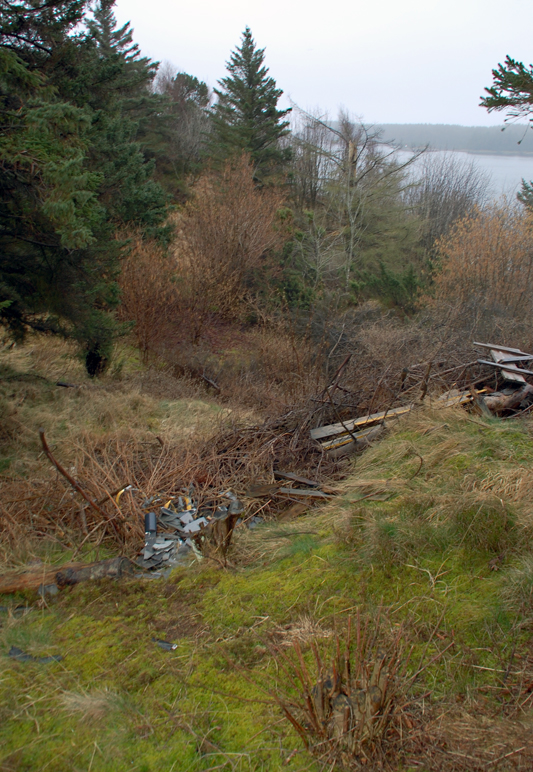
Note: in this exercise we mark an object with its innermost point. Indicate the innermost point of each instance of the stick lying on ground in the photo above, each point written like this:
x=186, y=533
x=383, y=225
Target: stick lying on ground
x=67, y=477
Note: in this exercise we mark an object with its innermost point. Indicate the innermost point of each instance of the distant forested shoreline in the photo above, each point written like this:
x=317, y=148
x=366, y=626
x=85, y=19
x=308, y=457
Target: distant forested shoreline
x=512, y=140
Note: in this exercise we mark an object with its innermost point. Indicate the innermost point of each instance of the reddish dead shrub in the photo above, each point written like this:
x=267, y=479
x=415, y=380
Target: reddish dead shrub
x=225, y=233
x=148, y=291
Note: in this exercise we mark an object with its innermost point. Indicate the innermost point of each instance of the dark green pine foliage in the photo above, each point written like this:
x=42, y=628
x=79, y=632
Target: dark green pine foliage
x=245, y=117
x=52, y=277
x=114, y=81
x=71, y=172
x=512, y=89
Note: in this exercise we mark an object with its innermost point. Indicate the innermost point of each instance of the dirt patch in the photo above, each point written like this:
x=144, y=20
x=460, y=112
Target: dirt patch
x=181, y=621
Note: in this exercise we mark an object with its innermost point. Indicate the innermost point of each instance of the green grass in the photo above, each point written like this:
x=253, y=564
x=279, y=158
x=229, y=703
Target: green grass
x=204, y=704
x=424, y=513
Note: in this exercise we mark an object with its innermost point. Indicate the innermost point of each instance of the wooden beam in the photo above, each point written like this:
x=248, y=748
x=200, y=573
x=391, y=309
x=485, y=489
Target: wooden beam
x=348, y=426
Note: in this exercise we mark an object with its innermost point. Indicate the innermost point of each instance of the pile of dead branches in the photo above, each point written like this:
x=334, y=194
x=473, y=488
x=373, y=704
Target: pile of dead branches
x=99, y=493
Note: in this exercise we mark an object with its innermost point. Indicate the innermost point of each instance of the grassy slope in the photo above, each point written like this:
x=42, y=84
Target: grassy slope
x=423, y=513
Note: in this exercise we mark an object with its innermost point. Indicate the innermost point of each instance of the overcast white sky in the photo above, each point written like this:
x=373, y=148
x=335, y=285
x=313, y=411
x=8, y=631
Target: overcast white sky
x=393, y=61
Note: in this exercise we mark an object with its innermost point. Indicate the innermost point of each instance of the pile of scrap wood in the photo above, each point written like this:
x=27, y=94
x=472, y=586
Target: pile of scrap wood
x=502, y=391
x=516, y=394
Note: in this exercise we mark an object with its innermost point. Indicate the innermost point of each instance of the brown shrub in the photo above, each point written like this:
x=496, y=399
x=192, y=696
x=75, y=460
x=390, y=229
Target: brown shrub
x=148, y=292
x=487, y=262
x=224, y=235
x=223, y=238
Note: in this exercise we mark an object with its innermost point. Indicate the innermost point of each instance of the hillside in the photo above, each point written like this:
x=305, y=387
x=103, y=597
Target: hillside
x=430, y=533
x=509, y=140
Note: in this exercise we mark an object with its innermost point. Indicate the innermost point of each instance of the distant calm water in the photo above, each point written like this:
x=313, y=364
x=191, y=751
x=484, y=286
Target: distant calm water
x=506, y=171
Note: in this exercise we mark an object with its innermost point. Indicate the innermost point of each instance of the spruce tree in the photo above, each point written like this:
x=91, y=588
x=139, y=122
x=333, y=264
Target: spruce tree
x=71, y=171
x=512, y=90
x=246, y=117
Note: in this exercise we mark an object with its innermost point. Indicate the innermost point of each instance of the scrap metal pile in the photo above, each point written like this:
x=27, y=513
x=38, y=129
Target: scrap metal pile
x=185, y=528
x=182, y=530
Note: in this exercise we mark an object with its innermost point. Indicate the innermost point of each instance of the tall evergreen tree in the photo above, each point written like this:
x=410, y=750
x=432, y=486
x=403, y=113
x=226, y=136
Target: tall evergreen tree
x=246, y=117
x=71, y=171
x=112, y=79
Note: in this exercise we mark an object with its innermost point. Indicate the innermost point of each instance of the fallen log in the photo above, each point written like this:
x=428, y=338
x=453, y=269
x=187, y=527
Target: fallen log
x=65, y=576
x=497, y=402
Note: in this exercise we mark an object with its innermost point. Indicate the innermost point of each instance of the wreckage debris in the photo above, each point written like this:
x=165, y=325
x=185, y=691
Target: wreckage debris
x=17, y=611
x=346, y=437
x=47, y=589
x=181, y=528
x=165, y=645
x=505, y=359
x=185, y=529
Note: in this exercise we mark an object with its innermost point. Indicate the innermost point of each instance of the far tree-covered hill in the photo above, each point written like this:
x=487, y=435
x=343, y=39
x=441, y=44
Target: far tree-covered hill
x=514, y=139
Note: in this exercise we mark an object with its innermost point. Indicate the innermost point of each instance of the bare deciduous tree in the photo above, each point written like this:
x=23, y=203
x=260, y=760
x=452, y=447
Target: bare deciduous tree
x=353, y=183
x=188, y=119
x=446, y=189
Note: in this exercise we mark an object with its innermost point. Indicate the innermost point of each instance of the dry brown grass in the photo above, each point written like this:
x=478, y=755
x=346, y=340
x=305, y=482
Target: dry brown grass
x=304, y=630
x=233, y=459
x=456, y=740
x=91, y=706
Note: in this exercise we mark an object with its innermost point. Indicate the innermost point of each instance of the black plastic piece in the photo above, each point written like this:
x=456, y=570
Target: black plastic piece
x=150, y=523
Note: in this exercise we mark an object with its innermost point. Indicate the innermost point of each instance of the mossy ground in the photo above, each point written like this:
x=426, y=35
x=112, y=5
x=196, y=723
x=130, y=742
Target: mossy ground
x=426, y=517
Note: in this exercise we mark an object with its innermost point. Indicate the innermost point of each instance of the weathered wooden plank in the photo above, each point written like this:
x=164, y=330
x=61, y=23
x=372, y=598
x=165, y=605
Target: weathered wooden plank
x=457, y=397
x=512, y=368
x=510, y=360
x=509, y=372
x=345, y=439
x=350, y=446
x=497, y=347
x=307, y=494
x=353, y=423
x=296, y=478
